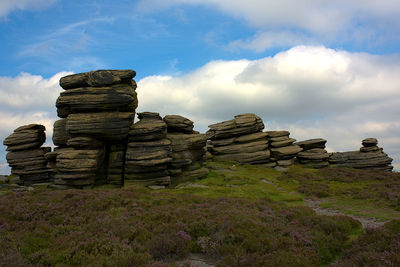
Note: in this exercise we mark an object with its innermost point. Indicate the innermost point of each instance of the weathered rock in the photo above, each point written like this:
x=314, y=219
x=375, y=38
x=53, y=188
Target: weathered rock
x=183, y=142
x=312, y=143
x=241, y=125
x=148, y=129
x=369, y=157
x=368, y=142
x=278, y=139
x=282, y=143
x=370, y=149
x=26, y=137
x=240, y=139
x=243, y=158
x=84, y=142
x=121, y=97
x=60, y=134
x=274, y=134
x=241, y=148
x=80, y=161
x=285, y=163
x=112, y=126
x=316, y=154
x=285, y=152
x=362, y=160
x=97, y=78
x=179, y=124
x=148, y=152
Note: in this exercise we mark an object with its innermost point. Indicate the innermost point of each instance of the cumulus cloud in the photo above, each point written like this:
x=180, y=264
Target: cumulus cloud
x=311, y=90
x=7, y=6
x=26, y=99
x=357, y=20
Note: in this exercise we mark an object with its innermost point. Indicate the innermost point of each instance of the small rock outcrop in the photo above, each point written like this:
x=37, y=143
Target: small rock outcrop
x=370, y=157
x=239, y=140
x=314, y=153
x=26, y=156
x=97, y=110
x=188, y=150
x=283, y=151
x=148, y=152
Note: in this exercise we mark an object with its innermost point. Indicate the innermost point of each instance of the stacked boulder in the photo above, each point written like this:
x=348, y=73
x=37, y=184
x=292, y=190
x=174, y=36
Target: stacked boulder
x=313, y=153
x=148, y=151
x=188, y=150
x=26, y=157
x=96, y=109
x=370, y=157
x=283, y=150
x=239, y=140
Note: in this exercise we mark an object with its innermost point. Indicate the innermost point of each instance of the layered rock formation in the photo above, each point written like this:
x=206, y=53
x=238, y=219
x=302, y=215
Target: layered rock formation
x=188, y=149
x=313, y=153
x=26, y=156
x=148, y=151
x=239, y=140
x=283, y=150
x=97, y=109
x=370, y=156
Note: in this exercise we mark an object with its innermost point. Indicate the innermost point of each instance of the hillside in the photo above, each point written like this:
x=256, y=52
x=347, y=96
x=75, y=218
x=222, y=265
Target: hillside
x=239, y=215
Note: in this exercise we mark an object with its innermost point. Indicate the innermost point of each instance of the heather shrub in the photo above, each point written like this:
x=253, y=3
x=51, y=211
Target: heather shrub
x=132, y=227
x=376, y=247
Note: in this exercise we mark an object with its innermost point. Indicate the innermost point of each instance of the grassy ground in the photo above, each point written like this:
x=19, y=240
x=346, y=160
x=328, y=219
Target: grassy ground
x=237, y=216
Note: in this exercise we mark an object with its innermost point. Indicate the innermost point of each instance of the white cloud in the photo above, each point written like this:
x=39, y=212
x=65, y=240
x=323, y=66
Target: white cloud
x=312, y=91
x=7, y=6
x=365, y=21
x=26, y=99
x=266, y=40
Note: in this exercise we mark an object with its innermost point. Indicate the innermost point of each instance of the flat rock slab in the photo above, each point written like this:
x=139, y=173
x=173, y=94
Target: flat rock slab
x=120, y=97
x=240, y=139
x=240, y=148
x=250, y=158
x=148, y=129
x=177, y=123
x=285, y=152
x=312, y=143
x=241, y=125
x=105, y=126
x=274, y=134
x=369, y=142
x=96, y=78
x=282, y=143
x=183, y=142
x=26, y=137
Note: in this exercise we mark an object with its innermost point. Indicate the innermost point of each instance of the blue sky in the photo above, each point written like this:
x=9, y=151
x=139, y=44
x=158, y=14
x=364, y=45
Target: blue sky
x=318, y=68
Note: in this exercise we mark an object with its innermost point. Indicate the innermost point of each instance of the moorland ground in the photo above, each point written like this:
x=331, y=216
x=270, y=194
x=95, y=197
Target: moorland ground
x=239, y=215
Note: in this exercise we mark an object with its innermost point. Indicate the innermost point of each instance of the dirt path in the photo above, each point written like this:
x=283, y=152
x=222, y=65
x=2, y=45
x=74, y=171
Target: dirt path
x=366, y=222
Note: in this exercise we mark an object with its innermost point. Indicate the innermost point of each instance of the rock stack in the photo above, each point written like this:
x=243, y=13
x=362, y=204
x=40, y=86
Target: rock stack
x=239, y=140
x=148, y=151
x=313, y=153
x=26, y=156
x=96, y=109
x=188, y=149
x=283, y=150
x=370, y=157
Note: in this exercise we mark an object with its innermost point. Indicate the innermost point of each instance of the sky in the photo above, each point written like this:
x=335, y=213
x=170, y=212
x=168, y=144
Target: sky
x=328, y=69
